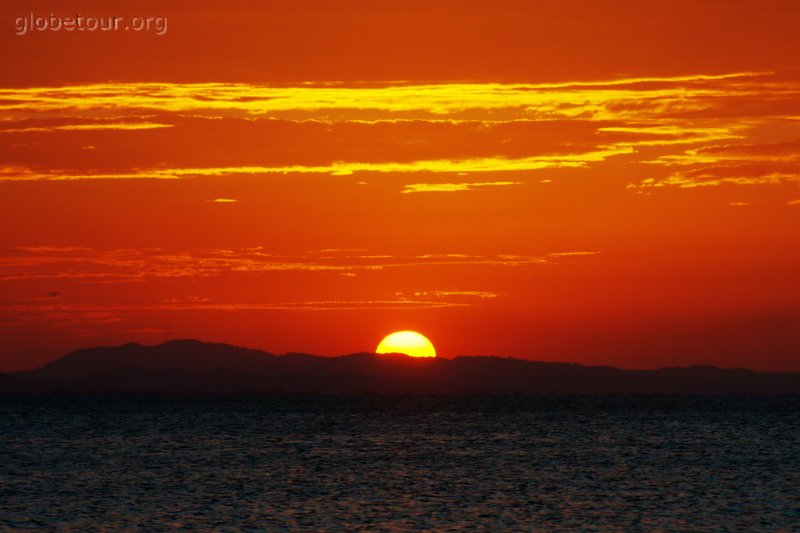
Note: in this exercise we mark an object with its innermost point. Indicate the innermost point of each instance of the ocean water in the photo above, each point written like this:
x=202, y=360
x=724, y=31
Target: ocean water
x=260, y=463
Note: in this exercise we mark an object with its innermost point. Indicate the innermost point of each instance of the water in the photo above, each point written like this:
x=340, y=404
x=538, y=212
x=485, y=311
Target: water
x=399, y=463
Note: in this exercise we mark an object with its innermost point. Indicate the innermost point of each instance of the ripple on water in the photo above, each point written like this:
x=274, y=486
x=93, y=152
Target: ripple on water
x=82, y=463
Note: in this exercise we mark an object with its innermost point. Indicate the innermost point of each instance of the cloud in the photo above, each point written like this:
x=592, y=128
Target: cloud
x=122, y=126
x=341, y=168
x=730, y=164
x=108, y=313
x=90, y=297
x=699, y=179
x=453, y=187
x=571, y=254
x=697, y=130
x=448, y=294
x=673, y=134
x=142, y=264
x=600, y=99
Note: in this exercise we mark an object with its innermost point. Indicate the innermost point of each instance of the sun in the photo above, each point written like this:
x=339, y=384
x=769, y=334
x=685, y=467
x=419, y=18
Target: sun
x=407, y=342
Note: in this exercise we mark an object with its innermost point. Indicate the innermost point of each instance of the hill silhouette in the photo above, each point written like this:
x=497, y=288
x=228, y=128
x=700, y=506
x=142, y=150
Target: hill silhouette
x=194, y=366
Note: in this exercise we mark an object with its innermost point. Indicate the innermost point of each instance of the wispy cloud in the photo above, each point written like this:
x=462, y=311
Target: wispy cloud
x=109, y=312
x=122, y=126
x=600, y=99
x=730, y=164
x=696, y=130
x=137, y=265
x=699, y=179
x=451, y=294
x=455, y=187
x=343, y=168
x=78, y=310
x=86, y=320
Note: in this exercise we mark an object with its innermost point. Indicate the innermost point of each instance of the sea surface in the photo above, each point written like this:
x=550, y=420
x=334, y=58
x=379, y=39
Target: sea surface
x=498, y=463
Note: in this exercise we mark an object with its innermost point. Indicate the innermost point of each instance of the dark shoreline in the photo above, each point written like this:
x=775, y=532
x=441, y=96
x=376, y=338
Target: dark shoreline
x=193, y=367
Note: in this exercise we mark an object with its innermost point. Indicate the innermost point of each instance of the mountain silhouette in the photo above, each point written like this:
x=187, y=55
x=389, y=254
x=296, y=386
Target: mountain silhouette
x=194, y=366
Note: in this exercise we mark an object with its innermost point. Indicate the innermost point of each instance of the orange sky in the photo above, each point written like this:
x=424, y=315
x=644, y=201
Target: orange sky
x=597, y=182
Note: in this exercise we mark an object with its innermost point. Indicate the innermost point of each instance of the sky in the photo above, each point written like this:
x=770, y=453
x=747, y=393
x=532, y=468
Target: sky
x=605, y=183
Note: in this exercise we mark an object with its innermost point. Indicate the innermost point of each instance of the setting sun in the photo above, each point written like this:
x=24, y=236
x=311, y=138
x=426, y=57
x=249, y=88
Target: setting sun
x=407, y=342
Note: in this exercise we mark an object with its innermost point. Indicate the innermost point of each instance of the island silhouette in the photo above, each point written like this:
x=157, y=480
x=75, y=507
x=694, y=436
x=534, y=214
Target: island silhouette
x=185, y=366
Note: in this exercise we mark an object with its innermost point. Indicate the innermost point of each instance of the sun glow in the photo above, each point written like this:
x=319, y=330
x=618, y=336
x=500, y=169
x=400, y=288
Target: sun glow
x=407, y=342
